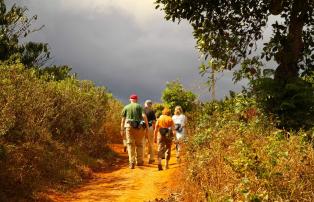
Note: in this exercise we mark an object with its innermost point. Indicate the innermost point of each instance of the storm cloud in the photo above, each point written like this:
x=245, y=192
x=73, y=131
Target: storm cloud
x=125, y=45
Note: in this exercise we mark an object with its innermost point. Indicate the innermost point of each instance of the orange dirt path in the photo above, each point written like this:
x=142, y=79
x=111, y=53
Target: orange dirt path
x=120, y=183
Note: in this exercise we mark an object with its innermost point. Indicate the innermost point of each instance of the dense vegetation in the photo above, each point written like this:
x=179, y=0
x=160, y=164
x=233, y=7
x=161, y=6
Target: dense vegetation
x=235, y=153
x=50, y=131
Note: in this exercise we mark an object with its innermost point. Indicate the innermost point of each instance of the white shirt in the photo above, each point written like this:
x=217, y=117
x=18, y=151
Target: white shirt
x=179, y=119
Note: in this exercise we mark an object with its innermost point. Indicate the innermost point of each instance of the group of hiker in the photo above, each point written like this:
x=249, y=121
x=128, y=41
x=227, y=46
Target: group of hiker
x=140, y=127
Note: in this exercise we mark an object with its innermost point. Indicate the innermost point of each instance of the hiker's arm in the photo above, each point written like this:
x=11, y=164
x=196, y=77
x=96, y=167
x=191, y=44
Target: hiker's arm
x=156, y=132
x=154, y=121
x=174, y=131
x=146, y=122
x=154, y=125
x=122, y=126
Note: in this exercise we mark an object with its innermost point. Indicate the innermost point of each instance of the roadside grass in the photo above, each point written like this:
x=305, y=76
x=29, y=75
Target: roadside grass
x=234, y=156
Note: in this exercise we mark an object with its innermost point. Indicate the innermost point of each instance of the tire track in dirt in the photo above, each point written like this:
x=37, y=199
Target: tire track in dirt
x=120, y=183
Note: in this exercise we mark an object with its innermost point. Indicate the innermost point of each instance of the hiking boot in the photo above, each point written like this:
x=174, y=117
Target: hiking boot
x=159, y=167
x=151, y=161
x=132, y=165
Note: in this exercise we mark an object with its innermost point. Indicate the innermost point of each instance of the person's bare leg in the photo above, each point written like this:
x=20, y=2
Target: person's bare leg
x=159, y=164
x=167, y=164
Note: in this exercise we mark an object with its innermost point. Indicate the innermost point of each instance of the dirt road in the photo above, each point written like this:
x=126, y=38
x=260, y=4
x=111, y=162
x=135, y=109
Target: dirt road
x=120, y=183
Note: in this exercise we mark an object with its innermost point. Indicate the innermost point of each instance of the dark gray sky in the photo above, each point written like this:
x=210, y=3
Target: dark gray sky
x=125, y=45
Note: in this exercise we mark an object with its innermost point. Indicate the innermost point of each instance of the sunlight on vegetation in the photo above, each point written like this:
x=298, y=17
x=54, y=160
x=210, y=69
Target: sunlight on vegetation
x=236, y=153
x=51, y=131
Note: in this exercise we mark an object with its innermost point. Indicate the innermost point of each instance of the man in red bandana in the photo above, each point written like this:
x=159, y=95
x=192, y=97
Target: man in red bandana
x=134, y=123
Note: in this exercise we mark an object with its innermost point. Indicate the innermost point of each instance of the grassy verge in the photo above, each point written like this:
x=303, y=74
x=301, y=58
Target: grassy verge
x=236, y=154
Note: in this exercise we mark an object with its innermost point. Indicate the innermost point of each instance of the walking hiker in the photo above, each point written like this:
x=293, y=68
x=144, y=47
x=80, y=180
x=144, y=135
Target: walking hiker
x=134, y=123
x=165, y=131
x=179, y=120
x=151, y=118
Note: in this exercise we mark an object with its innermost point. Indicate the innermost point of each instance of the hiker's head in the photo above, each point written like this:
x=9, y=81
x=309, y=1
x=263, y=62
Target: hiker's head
x=133, y=98
x=178, y=110
x=148, y=103
x=166, y=111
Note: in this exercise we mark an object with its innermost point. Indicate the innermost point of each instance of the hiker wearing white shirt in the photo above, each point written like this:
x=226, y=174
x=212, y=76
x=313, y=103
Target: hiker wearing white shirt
x=179, y=120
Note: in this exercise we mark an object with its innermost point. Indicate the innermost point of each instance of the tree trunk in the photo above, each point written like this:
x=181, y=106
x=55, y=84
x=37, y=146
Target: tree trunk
x=289, y=56
x=275, y=7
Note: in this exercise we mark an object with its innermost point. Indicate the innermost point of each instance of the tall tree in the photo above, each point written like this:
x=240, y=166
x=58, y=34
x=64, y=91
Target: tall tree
x=175, y=94
x=229, y=30
x=14, y=26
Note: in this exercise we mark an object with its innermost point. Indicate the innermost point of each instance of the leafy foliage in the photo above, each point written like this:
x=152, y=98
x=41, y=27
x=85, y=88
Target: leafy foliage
x=174, y=94
x=55, y=73
x=292, y=102
x=111, y=125
x=228, y=30
x=14, y=27
x=158, y=107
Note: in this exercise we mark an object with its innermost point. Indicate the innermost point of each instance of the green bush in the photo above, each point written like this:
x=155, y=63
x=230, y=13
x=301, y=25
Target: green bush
x=158, y=107
x=292, y=102
x=174, y=94
x=78, y=109
x=43, y=125
x=111, y=125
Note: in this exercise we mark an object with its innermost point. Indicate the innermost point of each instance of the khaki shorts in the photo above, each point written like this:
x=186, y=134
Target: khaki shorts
x=164, y=147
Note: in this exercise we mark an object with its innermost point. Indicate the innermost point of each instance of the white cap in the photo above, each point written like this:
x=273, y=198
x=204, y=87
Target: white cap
x=148, y=102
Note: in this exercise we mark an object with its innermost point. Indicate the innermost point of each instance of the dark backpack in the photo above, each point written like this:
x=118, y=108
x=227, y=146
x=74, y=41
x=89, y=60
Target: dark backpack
x=178, y=127
x=134, y=124
x=164, y=131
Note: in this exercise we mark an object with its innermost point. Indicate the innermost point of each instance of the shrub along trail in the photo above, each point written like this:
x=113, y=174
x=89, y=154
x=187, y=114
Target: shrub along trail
x=120, y=183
